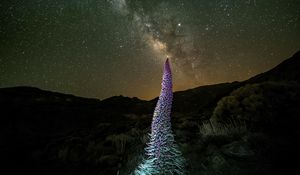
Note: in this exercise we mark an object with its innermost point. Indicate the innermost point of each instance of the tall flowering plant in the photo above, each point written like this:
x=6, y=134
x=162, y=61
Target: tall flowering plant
x=162, y=154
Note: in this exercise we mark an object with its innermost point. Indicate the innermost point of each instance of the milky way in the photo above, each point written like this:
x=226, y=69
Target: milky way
x=162, y=29
x=96, y=48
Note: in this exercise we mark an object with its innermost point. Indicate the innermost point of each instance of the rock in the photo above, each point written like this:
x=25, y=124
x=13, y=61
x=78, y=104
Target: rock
x=238, y=150
x=110, y=160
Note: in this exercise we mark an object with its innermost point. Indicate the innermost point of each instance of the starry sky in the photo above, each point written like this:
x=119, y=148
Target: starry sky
x=102, y=48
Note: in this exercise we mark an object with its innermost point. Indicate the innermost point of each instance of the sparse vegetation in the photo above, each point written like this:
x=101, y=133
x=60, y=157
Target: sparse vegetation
x=208, y=128
x=258, y=105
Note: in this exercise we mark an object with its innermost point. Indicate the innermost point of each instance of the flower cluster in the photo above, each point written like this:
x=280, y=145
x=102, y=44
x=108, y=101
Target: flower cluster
x=162, y=154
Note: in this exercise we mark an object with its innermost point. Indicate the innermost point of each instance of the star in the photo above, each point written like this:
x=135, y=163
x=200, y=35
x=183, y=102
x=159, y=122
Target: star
x=118, y=46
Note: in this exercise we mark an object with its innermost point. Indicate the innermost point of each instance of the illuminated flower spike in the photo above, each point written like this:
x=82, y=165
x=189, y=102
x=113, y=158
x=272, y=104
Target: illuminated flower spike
x=162, y=154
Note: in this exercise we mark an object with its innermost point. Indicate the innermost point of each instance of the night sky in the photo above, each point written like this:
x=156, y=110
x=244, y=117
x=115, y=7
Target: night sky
x=102, y=48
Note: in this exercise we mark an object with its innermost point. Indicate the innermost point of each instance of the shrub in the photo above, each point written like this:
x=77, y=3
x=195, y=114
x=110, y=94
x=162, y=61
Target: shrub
x=258, y=105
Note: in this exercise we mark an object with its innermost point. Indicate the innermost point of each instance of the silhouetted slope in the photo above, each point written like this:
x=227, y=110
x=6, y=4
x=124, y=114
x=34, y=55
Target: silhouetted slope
x=205, y=97
x=288, y=70
x=126, y=105
x=201, y=98
x=51, y=113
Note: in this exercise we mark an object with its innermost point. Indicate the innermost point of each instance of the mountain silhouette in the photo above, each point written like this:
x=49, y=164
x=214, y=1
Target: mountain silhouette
x=288, y=70
x=45, y=132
